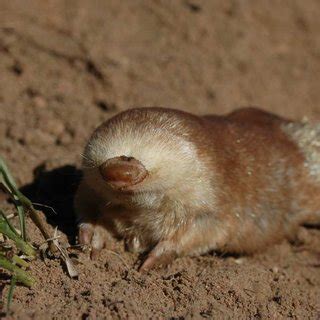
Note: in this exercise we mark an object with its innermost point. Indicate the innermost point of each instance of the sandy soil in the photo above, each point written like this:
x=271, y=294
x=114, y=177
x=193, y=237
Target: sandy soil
x=66, y=66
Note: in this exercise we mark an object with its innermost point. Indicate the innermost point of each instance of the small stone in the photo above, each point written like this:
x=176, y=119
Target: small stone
x=239, y=260
x=65, y=139
x=38, y=137
x=54, y=127
x=39, y=102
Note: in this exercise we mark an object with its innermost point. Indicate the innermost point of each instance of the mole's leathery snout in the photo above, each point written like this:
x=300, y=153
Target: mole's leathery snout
x=121, y=172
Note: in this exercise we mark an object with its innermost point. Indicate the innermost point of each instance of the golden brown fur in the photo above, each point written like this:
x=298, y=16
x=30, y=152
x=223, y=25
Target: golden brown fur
x=236, y=183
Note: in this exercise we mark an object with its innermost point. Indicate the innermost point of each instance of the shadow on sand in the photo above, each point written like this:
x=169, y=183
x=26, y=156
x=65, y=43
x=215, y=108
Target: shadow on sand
x=56, y=188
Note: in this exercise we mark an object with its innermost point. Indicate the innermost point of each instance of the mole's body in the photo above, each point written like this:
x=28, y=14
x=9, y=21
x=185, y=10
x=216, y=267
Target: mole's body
x=179, y=184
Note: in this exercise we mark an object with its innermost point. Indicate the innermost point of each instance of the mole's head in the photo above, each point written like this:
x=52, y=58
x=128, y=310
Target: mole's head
x=145, y=153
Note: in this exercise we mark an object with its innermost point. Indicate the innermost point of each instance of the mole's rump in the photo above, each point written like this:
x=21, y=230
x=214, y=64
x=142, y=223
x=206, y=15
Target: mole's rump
x=179, y=184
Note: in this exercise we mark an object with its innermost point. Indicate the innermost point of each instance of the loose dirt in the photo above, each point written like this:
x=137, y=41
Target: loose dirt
x=66, y=66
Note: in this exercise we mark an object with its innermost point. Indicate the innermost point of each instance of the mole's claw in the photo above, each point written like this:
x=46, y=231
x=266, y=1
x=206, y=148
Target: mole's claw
x=93, y=236
x=162, y=255
x=85, y=233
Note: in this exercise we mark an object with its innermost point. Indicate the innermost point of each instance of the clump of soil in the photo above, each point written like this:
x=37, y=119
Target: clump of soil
x=67, y=66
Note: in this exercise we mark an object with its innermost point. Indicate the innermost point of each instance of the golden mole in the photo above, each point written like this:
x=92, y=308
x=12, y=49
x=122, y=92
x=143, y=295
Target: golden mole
x=172, y=184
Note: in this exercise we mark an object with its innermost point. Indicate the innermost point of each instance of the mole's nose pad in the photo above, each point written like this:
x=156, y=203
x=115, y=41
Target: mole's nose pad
x=123, y=171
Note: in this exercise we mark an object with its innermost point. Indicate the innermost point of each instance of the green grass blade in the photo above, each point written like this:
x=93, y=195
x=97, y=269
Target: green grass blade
x=13, y=229
x=10, y=293
x=22, y=219
x=20, y=262
x=21, y=201
x=8, y=181
x=6, y=229
x=7, y=175
x=21, y=275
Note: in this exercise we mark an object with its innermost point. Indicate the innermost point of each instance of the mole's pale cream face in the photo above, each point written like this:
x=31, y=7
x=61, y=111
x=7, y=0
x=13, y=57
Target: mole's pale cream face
x=138, y=162
x=133, y=160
